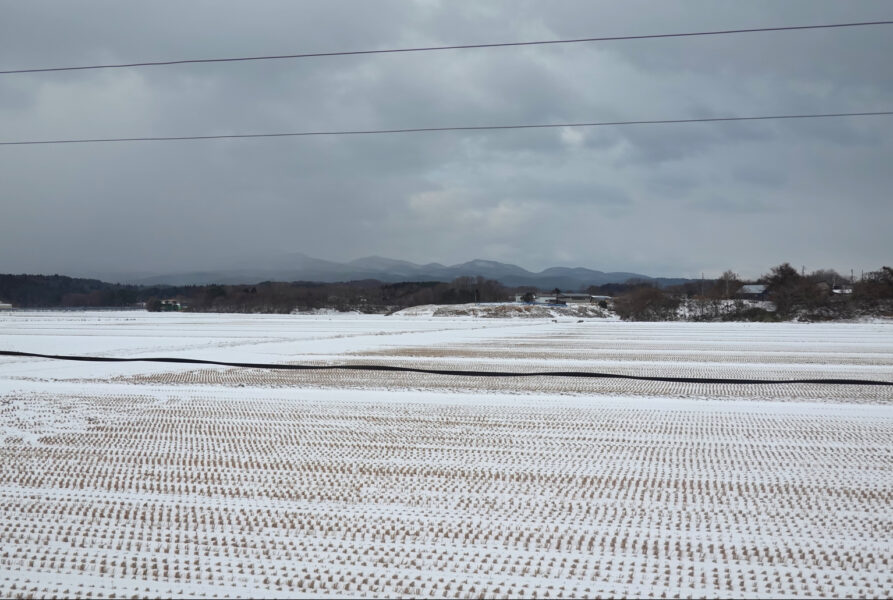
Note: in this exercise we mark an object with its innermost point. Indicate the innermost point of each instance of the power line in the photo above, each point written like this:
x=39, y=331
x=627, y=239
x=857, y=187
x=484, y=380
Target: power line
x=436, y=129
x=454, y=372
x=435, y=48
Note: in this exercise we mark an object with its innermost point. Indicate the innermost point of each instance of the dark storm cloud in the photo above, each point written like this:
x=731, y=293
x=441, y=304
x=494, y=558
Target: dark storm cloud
x=669, y=199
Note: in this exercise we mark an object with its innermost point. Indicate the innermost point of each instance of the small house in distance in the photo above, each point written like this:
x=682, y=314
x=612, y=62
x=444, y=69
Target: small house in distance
x=171, y=305
x=5, y=306
x=752, y=291
x=572, y=298
x=561, y=298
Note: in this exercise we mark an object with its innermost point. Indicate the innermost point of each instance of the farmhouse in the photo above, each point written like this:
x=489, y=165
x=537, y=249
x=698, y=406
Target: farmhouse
x=569, y=298
x=171, y=305
x=561, y=298
x=5, y=306
x=752, y=292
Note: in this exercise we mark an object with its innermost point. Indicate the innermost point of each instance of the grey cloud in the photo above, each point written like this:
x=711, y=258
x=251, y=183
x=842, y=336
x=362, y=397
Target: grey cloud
x=765, y=176
x=737, y=205
x=665, y=200
x=671, y=183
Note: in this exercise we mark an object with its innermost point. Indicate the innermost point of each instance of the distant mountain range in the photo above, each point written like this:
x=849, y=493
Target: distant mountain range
x=300, y=267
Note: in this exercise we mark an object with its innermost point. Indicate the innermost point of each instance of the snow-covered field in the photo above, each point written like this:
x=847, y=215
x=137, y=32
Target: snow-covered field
x=142, y=479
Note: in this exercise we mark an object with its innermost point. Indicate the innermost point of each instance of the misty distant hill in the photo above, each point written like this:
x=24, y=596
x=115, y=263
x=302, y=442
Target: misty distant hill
x=300, y=267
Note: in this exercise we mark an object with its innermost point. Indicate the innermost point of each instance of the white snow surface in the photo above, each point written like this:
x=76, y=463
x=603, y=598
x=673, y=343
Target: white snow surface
x=157, y=480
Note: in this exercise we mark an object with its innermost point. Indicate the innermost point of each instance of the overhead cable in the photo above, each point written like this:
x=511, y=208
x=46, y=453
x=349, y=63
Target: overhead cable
x=437, y=48
x=437, y=129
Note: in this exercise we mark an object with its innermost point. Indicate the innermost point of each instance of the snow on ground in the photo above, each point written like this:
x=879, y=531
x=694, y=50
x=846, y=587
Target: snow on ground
x=144, y=479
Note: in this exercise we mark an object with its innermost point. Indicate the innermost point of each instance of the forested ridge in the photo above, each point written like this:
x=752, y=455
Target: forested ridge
x=819, y=295
x=59, y=291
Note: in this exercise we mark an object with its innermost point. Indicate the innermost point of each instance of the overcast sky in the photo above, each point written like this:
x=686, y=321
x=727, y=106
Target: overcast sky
x=659, y=199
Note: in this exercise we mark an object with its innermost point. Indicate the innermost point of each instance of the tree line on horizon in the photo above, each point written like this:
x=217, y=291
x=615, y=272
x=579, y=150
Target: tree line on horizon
x=823, y=294
x=792, y=293
x=372, y=296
